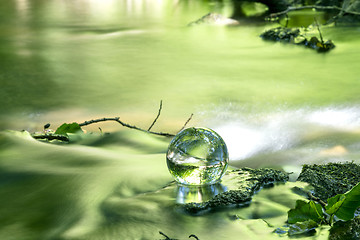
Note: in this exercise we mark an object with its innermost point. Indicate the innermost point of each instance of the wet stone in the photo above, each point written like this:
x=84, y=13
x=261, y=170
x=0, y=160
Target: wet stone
x=349, y=230
x=330, y=179
x=298, y=37
x=241, y=185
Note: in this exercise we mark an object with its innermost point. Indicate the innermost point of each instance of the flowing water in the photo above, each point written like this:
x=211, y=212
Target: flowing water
x=61, y=61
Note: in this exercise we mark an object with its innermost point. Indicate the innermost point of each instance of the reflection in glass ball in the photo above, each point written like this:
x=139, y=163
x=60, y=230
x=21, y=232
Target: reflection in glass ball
x=197, y=156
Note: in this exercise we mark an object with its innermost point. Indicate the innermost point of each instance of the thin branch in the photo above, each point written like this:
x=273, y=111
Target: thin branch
x=194, y=236
x=166, y=237
x=156, y=116
x=312, y=197
x=117, y=119
x=50, y=137
x=187, y=121
x=290, y=9
x=318, y=28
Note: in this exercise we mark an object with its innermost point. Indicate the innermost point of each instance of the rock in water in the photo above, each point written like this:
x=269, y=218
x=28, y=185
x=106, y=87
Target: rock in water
x=241, y=185
x=330, y=179
x=346, y=230
x=297, y=36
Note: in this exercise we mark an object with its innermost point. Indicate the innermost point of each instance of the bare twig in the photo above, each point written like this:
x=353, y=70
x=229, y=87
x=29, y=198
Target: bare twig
x=187, y=121
x=156, y=116
x=316, y=199
x=166, y=237
x=318, y=28
x=117, y=119
x=194, y=236
x=317, y=7
x=311, y=196
x=50, y=137
x=287, y=20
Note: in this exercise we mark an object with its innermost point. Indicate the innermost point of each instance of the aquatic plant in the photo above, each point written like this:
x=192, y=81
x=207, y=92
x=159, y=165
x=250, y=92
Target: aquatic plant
x=307, y=216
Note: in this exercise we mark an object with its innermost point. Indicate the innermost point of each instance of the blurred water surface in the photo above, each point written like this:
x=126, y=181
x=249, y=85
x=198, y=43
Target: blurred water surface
x=62, y=61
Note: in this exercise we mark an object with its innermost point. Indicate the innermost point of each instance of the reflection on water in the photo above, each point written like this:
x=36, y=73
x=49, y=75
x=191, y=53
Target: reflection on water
x=64, y=61
x=121, y=56
x=198, y=194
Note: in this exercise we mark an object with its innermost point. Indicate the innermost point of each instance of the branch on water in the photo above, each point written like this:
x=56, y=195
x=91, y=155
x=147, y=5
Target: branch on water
x=316, y=199
x=311, y=196
x=51, y=137
x=317, y=7
x=117, y=119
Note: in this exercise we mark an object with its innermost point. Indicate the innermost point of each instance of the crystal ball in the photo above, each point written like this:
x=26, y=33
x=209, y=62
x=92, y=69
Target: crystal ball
x=197, y=156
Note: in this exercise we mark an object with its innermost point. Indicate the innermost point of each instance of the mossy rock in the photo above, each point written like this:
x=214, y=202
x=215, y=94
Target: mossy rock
x=241, y=185
x=349, y=230
x=330, y=179
x=297, y=36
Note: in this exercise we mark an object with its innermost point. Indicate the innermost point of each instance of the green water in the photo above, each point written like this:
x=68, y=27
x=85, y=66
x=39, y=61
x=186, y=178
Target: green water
x=63, y=61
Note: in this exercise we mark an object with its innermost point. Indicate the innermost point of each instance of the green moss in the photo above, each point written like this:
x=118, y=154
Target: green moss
x=330, y=179
x=349, y=230
x=242, y=184
x=297, y=36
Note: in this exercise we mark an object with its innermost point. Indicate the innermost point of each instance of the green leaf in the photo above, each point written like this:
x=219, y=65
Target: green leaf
x=302, y=227
x=345, y=205
x=68, y=128
x=305, y=211
x=334, y=204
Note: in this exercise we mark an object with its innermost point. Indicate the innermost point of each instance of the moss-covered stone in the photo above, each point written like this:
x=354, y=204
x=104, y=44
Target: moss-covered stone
x=349, y=230
x=297, y=36
x=241, y=186
x=330, y=179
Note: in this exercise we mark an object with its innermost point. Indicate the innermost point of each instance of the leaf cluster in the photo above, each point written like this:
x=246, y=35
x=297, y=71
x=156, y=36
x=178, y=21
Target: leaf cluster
x=307, y=216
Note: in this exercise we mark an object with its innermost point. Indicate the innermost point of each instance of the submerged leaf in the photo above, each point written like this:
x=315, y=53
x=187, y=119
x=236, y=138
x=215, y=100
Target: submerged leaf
x=302, y=227
x=66, y=128
x=305, y=211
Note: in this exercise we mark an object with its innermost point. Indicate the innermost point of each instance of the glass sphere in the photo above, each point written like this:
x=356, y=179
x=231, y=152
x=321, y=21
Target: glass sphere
x=197, y=156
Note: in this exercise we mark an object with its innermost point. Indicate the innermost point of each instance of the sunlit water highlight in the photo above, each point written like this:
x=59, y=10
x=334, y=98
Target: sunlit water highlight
x=279, y=131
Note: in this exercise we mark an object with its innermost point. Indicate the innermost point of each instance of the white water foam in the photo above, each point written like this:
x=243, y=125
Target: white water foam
x=247, y=135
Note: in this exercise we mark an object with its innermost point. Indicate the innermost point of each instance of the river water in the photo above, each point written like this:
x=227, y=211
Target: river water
x=275, y=105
